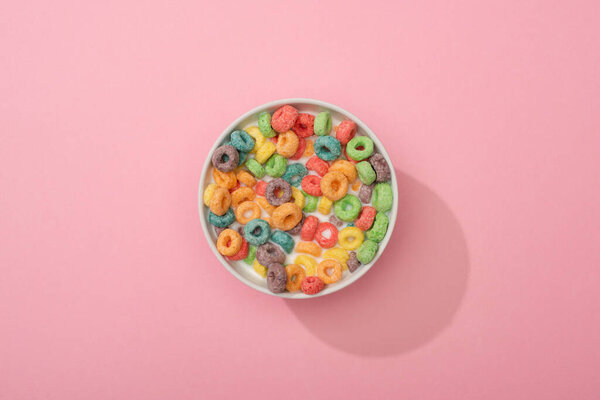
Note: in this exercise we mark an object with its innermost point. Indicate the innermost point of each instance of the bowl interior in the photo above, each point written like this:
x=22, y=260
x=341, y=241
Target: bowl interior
x=246, y=273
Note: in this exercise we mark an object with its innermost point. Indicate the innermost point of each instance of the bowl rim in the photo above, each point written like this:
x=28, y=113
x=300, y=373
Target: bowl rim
x=392, y=214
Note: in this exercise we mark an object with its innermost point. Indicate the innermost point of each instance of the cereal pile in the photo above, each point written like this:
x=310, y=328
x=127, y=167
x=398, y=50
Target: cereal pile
x=255, y=171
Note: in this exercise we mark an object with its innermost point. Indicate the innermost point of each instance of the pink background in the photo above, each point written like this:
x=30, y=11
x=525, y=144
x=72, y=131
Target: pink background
x=490, y=110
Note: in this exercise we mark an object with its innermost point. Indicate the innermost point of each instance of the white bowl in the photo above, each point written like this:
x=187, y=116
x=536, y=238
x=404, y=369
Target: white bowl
x=246, y=273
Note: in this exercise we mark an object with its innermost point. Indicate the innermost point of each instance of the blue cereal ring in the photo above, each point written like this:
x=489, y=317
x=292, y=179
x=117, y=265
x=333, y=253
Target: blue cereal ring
x=243, y=157
x=327, y=148
x=221, y=221
x=294, y=173
x=284, y=240
x=242, y=140
x=257, y=231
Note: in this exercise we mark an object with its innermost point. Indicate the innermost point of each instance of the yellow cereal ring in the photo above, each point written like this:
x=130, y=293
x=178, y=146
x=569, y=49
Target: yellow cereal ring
x=350, y=238
x=208, y=192
x=229, y=242
x=259, y=268
x=265, y=151
x=246, y=178
x=324, y=206
x=295, y=275
x=298, y=197
x=309, y=247
x=265, y=205
x=241, y=195
x=226, y=180
x=309, y=264
x=310, y=149
x=243, y=209
x=356, y=185
x=259, y=139
x=287, y=144
x=346, y=168
x=220, y=201
x=286, y=216
x=330, y=271
x=334, y=185
x=339, y=254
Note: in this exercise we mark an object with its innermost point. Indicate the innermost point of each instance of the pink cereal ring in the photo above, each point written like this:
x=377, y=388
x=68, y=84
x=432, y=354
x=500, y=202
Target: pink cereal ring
x=324, y=241
x=284, y=118
x=345, y=131
x=365, y=218
x=304, y=125
x=316, y=164
x=307, y=233
x=311, y=184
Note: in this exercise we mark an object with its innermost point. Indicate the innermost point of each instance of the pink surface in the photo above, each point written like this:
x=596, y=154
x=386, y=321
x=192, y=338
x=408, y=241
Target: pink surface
x=108, y=289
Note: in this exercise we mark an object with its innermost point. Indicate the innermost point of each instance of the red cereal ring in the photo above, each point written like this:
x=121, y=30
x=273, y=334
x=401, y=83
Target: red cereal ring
x=301, y=148
x=284, y=118
x=236, y=187
x=311, y=184
x=346, y=131
x=326, y=242
x=316, y=164
x=365, y=218
x=312, y=285
x=260, y=188
x=273, y=139
x=304, y=125
x=242, y=253
x=307, y=233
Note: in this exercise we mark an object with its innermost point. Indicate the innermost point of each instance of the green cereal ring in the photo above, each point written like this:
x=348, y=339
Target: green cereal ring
x=294, y=173
x=241, y=140
x=322, y=124
x=366, y=252
x=347, y=208
x=284, y=240
x=264, y=124
x=327, y=148
x=257, y=170
x=222, y=221
x=366, y=173
x=359, y=148
x=310, y=202
x=251, y=255
x=379, y=228
x=382, y=197
x=275, y=165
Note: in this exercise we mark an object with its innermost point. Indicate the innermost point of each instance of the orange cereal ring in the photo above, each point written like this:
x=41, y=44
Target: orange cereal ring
x=346, y=168
x=241, y=195
x=334, y=185
x=246, y=178
x=243, y=209
x=295, y=276
x=265, y=205
x=287, y=144
x=324, y=268
x=229, y=242
x=225, y=179
x=310, y=149
x=356, y=185
x=220, y=201
x=287, y=216
x=309, y=248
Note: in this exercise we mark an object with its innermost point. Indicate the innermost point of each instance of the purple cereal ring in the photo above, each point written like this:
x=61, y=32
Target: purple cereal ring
x=352, y=262
x=365, y=192
x=272, y=189
x=276, y=277
x=218, y=230
x=296, y=230
x=381, y=168
x=225, y=158
x=269, y=253
x=336, y=221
